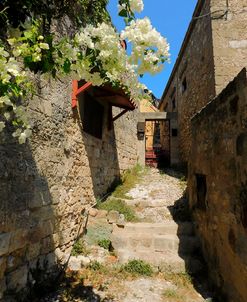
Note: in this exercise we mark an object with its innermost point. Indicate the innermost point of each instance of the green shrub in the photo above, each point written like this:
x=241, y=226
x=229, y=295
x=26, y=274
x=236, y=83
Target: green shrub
x=120, y=206
x=138, y=267
x=79, y=248
x=97, y=232
x=170, y=293
x=96, y=266
x=105, y=243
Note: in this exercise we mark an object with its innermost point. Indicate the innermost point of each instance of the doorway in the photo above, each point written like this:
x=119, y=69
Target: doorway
x=157, y=143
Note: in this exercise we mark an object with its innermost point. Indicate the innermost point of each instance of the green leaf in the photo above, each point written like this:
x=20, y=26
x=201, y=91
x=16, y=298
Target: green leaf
x=66, y=66
x=123, y=13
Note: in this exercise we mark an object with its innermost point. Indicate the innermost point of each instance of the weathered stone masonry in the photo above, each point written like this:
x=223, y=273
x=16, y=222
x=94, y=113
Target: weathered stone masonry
x=191, y=84
x=45, y=184
x=218, y=187
x=213, y=52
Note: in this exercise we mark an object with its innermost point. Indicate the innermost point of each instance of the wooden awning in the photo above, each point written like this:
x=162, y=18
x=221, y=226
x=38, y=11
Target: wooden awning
x=114, y=96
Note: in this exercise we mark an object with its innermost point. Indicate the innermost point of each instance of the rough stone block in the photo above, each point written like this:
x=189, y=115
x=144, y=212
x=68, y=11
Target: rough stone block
x=62, y=257
x=75, y=263
x=33, y=251
x=44, y=213
x=140, y=242
x=113, y=216
x=56, y=239
x=2, y=266
x=47, y=245
x=47, y=228
x=121, y=220
x=84, y=260
x=102, y=213
x=118, y=242
x=17, y=280
x=93, y=212
x=4, y=243
x=51, y=260
x=163, y=243
x=18, y=240
x=39, y=199
x=16, y=259
x=2, y=287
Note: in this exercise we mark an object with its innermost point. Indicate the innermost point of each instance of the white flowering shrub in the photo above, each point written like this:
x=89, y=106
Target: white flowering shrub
x=149, y=49
x=94, y=54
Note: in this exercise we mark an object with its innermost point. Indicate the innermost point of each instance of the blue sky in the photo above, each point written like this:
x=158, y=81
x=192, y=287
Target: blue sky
x=171, y=18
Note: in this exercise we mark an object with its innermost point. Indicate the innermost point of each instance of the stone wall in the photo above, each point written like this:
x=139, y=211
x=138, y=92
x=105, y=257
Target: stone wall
x=191, y=84
x=46, y=183
x=229, y=39
x=218, y=187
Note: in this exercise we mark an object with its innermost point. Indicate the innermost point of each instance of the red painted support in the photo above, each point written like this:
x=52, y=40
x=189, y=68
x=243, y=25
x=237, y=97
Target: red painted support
x=83, y=88
x=74, y=91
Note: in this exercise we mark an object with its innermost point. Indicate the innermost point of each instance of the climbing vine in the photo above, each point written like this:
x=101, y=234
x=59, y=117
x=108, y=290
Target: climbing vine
x=93, y=53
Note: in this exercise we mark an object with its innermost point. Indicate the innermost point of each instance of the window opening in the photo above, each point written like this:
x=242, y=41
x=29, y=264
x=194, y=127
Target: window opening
x=92, y=114
x=184, y=85
x=201, y=185
x=174, y=132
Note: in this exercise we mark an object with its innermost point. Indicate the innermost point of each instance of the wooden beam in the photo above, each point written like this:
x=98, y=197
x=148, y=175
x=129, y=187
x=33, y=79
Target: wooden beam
x=74, y=90
x=119, y=115
x=83, y=88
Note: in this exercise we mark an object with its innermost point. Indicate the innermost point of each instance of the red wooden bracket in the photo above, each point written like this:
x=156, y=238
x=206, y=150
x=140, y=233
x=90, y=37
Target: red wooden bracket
x=76, y=91
x=83, y=88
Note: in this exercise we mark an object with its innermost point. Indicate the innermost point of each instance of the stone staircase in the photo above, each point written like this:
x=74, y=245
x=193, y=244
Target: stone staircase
x=168, y=246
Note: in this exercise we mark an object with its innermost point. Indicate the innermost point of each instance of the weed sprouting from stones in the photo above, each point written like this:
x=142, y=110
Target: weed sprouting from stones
x=138, y=267
x=79, y=248
x=105, y=243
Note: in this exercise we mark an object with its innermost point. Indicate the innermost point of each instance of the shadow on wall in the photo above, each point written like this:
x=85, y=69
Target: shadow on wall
x=76, y=291
x=189, y=248
x=98, y=135
x=28, y=226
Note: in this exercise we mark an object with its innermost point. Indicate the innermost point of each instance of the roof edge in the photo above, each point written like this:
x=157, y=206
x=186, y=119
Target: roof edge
x=196, y=12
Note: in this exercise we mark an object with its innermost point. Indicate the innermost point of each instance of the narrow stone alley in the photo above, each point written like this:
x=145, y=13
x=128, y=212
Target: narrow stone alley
x=160, y=242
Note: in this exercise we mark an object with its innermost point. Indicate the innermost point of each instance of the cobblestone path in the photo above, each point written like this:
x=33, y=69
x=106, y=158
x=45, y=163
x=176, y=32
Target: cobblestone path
x=163, y=236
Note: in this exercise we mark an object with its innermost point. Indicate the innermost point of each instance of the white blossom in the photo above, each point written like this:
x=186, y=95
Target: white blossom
x=22, y=138
x=44, y=45
x=135, y=6
x=94, y=54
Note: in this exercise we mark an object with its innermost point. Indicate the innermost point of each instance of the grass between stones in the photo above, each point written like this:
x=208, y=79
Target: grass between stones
x=128, y=180
x=171, y=293
x=98, y=232
x=120, y=206
x=105, y=243
x=97, y=277
x=115, y=202
x=80, y=248
x=137, y=267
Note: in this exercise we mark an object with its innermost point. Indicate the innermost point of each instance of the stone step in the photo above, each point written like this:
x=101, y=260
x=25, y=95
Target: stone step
x=159, y=243
x=165, y=262
x=169, y=227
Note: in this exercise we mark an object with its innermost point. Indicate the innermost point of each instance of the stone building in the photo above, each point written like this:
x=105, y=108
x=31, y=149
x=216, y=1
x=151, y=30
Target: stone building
x=217, y=187
x=211, y=136
x=73, y=157
x=214, y=50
